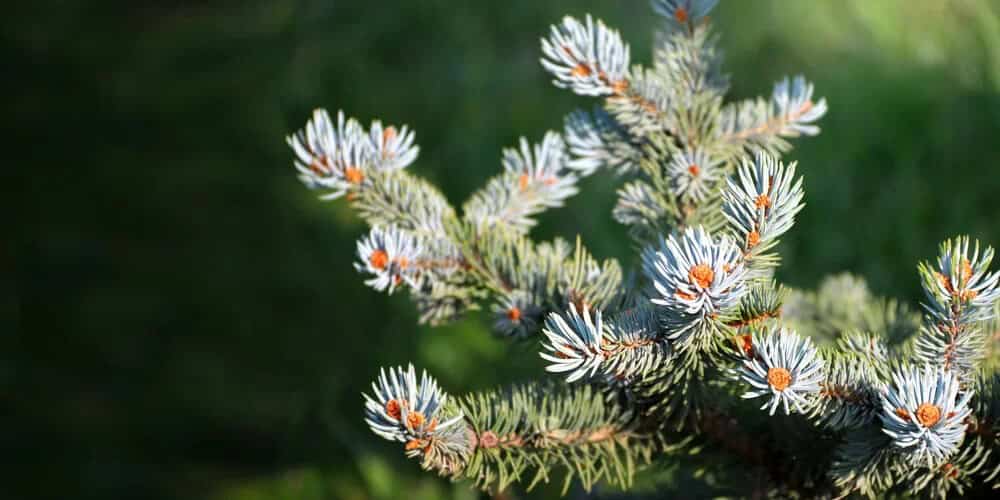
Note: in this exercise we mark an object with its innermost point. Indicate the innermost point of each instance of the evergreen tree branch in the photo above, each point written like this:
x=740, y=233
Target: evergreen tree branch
x=888, y=406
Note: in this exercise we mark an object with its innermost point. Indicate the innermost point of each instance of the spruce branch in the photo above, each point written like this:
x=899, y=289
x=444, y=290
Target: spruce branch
x=849, y=396
x=689, y=59
x=643, y=106
x=865, y=464
x=639, y=207
x=529, y=431
x=683, y=15
x=924, y=410
x=762, y=302
x=595, y=140
x=499, y=437
x=654, y=364
x=402, y=200
x=961, y=294
x=618, y=351
x=865, y=346
x=529, y=280
x=337, y=158
x=414, y=241
x=587, y=58
x=760, y=207
x=534, y=179
x=784, y=366
x=401, y=408
x=958, y=474
x=764, y=124
x=696, y=278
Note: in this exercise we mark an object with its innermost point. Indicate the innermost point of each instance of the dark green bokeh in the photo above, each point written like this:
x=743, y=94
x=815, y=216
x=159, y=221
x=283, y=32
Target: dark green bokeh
x=180, y=318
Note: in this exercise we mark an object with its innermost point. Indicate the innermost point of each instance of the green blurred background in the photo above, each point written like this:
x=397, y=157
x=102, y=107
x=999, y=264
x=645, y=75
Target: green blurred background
x=180, y=318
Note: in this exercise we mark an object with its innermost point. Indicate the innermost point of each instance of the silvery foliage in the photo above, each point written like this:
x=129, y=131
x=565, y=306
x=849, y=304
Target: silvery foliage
x=696, y=277
x=763, y=200
x=637, y=202
x=961, y=281
x=680, y=14
x=541, y=164
x=535, y=178
x=643, y=108
x=390, y=256
x=850, y=395
x=792, y=100
x=402, y=409
x=636, y=346
x=967, y=468
x=335, y=158
x=706, y=281
x=588, y=58
x=394, y=149
x=690, y=64
x=866, y=346
x=924, y=412
x=763, y=300
x=396, y=198
x=780, y=353
x=596, y=141
x=694, y=174
x=517, y=314
x=790, y=112
x=961, y=294
x=574, y=343
x=584, y=346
